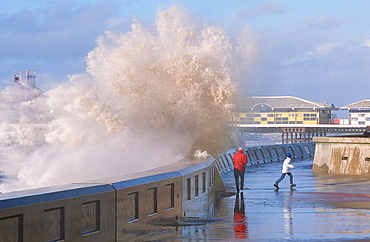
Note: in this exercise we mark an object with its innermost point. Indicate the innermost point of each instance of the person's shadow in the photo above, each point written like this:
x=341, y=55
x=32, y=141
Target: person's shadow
x=240, y=219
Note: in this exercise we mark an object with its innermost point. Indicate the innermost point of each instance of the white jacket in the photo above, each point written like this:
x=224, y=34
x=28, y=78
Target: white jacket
x=287, y=165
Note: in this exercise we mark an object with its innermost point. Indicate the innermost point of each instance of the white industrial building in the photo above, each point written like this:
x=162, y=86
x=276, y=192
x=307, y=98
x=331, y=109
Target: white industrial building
x=359, y=112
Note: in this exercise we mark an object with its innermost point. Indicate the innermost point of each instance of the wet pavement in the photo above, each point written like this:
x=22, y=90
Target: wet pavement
x=319, y=208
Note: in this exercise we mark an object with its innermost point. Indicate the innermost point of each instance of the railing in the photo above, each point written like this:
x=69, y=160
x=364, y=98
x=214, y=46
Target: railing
x=295, y=133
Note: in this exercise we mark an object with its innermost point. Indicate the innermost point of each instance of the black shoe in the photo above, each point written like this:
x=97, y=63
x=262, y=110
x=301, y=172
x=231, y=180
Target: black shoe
x=293, y=185
x=275, y=185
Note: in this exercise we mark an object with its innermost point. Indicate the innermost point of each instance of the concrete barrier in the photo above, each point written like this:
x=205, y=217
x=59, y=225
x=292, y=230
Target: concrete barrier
x=268, y=153
x=118, y=208
x=342, y=155
x=109, y=209
x=63, y=213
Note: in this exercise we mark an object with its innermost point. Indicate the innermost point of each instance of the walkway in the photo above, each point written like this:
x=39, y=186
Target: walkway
x=320, y=208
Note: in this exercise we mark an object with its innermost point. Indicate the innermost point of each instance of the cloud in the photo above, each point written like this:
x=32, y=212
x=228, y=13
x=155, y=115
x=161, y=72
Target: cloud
x=326, y=23
x=317, y=61
x=55, y=38
x=366, y=43
x=57, y=31
x=263, y=9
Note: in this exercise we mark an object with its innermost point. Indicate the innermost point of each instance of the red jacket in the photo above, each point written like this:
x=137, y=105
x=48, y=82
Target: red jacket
x=240, y=160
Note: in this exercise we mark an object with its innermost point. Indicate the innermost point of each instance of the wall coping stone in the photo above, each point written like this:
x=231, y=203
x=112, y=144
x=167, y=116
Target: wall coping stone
x=342, y=139
x=47, y=194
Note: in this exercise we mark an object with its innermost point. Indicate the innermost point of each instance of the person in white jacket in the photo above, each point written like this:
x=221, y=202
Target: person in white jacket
x=286, y=171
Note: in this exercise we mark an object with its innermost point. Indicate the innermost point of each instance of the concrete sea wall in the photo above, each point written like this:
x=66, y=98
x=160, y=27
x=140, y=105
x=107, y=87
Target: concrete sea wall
x=266, y=153
x=118, y=208
x=342, y=155
x=110, y=209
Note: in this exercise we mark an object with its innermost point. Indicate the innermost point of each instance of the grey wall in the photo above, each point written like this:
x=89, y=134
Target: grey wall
x=119, y=208
x=109, y=209
x=342, y=155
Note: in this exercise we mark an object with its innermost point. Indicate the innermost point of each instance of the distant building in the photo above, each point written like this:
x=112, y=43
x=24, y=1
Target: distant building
x=282, y=110
x=26, y=83
x=359, y=112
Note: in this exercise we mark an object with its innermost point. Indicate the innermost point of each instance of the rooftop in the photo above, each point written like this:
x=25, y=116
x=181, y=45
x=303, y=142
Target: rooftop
x=276, y=102
x=362, y=105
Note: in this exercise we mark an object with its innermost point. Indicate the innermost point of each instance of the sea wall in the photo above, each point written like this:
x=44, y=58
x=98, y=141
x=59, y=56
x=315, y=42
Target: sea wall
x=342, y=155
x=121, y=208
x=109, y=209
x=267, y=153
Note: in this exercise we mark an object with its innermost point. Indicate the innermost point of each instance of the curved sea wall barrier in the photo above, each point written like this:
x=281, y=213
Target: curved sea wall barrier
x=342, y=155
x=121, y=208
x=266, y=153
x=110, y=209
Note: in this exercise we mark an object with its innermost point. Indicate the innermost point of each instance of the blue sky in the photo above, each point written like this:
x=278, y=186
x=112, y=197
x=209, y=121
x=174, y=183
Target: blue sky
x=315, y=49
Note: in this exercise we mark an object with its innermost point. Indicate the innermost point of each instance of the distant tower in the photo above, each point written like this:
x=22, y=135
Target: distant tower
x=26, y=83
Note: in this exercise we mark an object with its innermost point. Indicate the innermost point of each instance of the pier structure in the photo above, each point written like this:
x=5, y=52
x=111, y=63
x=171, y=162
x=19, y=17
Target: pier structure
x=295, y=133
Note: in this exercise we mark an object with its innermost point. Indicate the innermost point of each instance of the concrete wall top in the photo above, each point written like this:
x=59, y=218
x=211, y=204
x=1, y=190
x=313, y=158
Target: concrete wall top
x=47, y=194
x=342, y=139
x=145, y=180
x=185, y=164
x=195, y=165
x=183, y=167
x=174, y=169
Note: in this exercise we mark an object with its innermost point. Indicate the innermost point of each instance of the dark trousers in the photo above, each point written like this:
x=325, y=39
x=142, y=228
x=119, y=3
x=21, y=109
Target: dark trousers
x=283, y=176
x=239, y=174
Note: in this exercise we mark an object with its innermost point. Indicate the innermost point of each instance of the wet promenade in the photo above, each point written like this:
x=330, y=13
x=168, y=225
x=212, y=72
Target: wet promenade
x=320, y=208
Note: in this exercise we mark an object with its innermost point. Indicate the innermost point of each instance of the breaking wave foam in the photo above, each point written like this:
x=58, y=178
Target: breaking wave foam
x=150, y=97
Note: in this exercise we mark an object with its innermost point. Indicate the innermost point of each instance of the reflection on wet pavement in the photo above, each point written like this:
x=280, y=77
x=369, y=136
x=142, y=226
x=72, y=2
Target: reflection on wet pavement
x=240, y=219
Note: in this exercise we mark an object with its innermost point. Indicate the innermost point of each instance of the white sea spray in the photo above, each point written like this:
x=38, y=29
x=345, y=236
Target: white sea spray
x=149, y=97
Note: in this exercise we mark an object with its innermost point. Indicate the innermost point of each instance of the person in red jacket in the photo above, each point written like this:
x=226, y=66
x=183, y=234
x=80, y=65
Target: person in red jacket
x=240, y=161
